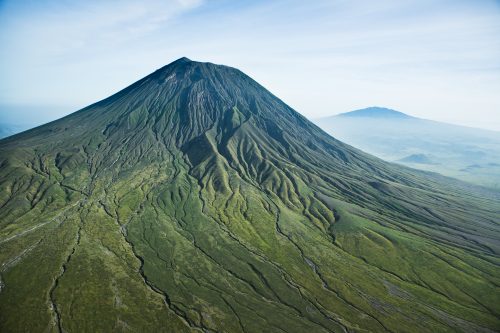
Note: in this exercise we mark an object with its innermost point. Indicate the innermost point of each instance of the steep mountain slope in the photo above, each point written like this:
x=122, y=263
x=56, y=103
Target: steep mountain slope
x=466, y=153
x=195, y=200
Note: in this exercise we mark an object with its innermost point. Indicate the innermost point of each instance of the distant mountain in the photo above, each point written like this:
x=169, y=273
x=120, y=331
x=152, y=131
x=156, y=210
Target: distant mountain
x=194, y=200
x=376, y=112
x=397, y=137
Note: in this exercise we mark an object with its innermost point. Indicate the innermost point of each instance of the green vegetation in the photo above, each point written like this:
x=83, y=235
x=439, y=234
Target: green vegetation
x=195, y=200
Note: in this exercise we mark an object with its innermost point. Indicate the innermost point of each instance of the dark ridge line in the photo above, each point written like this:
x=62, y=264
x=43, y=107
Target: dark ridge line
x=280, y=232
x=162, y=293
x=166, y=298
x=123, y=231
x=235, y=313
x=56, y=281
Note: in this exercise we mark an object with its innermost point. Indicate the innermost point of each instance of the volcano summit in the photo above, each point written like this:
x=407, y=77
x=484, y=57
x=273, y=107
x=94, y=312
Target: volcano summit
x=195, y=200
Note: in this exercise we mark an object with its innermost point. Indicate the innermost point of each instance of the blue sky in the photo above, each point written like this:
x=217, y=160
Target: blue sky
x=434, y=59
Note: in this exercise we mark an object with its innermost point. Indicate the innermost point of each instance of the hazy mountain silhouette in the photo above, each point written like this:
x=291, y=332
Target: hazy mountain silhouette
x=376, y=112
x=395, y=136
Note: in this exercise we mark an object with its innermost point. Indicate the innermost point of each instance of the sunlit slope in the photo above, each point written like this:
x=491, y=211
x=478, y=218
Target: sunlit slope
x=196, y=200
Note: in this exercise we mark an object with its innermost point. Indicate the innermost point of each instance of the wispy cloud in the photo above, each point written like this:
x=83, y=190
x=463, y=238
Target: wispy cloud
x=56, y=29
x=47, y=44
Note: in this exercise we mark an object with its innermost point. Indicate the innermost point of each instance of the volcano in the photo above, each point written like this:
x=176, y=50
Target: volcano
x=195, y=200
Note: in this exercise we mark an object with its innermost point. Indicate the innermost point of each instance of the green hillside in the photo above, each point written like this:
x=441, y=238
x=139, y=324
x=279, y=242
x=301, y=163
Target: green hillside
x=195, y=200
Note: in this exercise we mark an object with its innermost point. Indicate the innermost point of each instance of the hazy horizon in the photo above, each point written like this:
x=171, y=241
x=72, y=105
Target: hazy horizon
x=437, y=60
x=25, y=117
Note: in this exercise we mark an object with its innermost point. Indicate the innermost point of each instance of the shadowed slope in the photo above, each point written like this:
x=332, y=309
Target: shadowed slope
x=195, y=199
